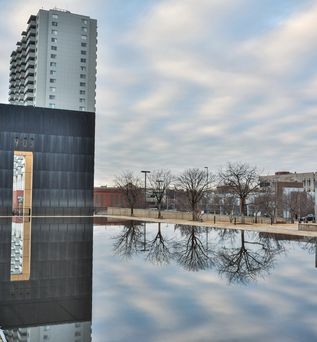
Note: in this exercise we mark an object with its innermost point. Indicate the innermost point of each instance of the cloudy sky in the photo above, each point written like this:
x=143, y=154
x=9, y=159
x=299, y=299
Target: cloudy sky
x=195, y=83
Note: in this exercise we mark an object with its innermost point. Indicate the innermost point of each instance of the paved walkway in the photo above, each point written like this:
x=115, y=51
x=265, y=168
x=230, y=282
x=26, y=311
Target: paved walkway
x=288, y=229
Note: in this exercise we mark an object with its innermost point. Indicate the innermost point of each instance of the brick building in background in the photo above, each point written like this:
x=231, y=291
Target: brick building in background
x=105, y=197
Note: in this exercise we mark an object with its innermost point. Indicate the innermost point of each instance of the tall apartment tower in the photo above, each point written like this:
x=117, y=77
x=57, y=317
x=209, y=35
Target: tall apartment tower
x=54, y=64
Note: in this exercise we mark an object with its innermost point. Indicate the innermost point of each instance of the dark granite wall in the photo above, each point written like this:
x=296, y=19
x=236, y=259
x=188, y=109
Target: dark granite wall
x=62, y=142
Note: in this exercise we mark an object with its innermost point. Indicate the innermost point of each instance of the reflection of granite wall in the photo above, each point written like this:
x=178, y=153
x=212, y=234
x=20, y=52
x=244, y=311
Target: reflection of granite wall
x=62, y=142
x=59, y=289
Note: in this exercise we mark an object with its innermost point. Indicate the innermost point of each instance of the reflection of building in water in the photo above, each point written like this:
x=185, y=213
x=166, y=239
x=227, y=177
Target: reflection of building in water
x=58, y=289
x=20, y=248
x=73, y=332
x=17, y=248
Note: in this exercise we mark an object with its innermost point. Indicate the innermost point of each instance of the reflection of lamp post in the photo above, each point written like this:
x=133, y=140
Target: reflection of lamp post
x=144, y=238
x=145, y=173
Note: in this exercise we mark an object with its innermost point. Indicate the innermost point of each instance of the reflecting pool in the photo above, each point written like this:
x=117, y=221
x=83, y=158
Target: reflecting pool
x=72, y=279
x=158, y=282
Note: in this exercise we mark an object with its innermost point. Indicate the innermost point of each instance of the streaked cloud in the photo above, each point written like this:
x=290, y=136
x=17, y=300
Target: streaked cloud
x=192, y=83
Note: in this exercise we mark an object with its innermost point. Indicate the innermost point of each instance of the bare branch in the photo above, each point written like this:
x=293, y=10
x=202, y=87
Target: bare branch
x=131, y=187
x=241, y=179
x=195, y=183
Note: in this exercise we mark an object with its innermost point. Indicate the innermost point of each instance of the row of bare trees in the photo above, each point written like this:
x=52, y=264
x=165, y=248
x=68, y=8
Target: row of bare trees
x=238, y=178
x=236, y=184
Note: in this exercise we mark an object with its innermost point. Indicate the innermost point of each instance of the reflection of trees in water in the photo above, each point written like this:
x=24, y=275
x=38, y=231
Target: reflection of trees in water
x=238, y=255
x=227, y=235
x=190, y=252
x=310, y=245
x=159, y=252
x=249, y=260
x=128, y=242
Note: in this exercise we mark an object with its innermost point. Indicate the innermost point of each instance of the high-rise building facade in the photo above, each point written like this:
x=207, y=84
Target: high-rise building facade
x=54, y=64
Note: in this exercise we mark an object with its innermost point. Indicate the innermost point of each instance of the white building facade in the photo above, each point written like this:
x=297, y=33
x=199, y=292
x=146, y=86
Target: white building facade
x=54, y=64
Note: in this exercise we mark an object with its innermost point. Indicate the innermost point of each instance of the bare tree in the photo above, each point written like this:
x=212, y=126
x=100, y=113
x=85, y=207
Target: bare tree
x=242, y=180
x=308, y=204
x=249, y=260
x=265, y=203
x=195, y=183
x=191, y=253
x=225, y=201
x=297, y=204
x=160, y=180
x=131, y=188
x=159, y=252
x=128, y=242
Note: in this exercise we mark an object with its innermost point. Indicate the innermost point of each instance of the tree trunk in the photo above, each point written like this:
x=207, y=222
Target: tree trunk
x=159, y=211
x=242, y=206
x=242, y=238
x=193, y=207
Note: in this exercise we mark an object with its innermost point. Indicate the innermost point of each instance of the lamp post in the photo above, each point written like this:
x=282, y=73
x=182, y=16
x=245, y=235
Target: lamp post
x=207, y=178
x=145, y=173
x=159, y=196
x=174, y=197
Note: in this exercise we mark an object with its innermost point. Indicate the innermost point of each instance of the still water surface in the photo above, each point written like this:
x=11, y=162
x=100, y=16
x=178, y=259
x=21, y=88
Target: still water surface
x=71, y=279
x=155, y=282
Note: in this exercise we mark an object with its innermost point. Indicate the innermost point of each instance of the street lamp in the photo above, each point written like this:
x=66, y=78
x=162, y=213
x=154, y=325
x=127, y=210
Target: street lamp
x=159, y=196
x=207, y=176
x=207, y=173
x=145, y=173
